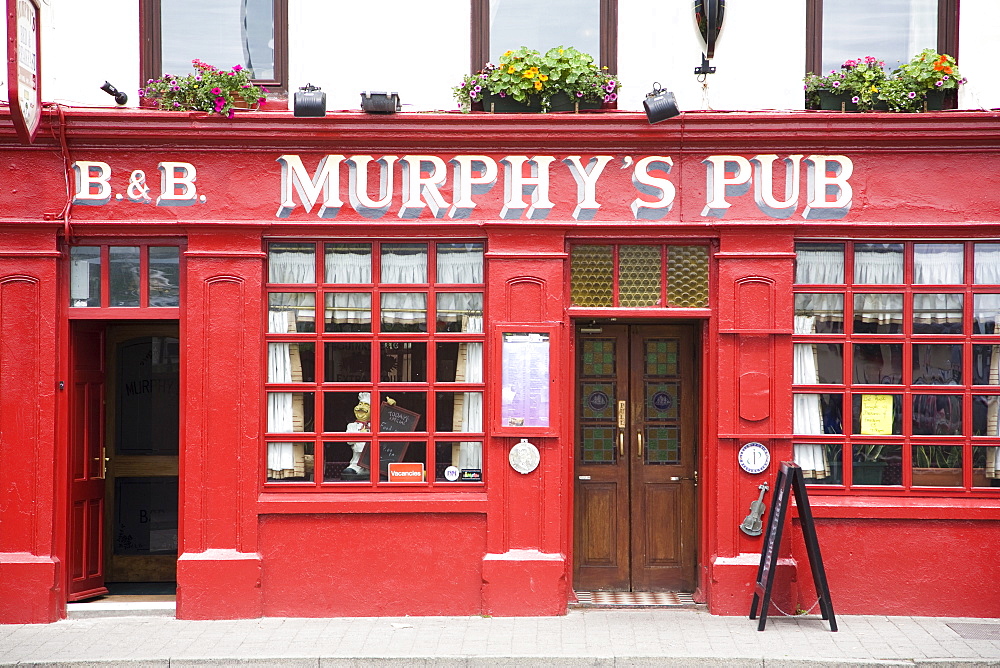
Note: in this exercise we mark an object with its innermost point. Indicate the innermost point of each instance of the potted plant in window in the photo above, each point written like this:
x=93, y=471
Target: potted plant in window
x=208, y=89
x=921, y=83
x=854, y=87
x=867, y=467
x=937, y=466
x=562, y=79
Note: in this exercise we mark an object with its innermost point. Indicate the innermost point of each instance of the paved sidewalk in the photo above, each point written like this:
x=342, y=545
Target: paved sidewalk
x=584, y=637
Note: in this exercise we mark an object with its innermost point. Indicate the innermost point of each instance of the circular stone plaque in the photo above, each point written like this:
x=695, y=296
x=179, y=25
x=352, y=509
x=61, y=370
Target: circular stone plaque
x=524, y=457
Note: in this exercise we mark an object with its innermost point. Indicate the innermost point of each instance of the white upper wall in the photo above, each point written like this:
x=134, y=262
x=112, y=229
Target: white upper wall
x=421, y=50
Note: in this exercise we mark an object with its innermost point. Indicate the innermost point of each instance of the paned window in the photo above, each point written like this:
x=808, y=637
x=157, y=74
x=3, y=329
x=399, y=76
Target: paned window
x=896, y=358
x=374, y=364
x=135, y=276
x=633, y=275
x=223, y=33
x=890, y=30
x=590, y=26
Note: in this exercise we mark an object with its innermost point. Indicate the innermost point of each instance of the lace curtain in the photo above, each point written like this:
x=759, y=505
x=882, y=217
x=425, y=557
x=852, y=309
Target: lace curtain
x=467, y=415
x=807, y=413
x=987, y=307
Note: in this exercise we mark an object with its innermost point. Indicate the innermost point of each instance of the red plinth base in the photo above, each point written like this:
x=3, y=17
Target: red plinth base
x=29, y=591
x=524, y=583
x=219, y=584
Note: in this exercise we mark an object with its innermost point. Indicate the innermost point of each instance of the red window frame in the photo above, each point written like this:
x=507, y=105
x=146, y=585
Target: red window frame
x=377, y=388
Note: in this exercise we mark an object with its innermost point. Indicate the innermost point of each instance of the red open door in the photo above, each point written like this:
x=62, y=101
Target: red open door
x=86, y=546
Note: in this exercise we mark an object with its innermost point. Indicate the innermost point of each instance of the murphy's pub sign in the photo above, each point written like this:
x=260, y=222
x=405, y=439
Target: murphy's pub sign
x=484, y=187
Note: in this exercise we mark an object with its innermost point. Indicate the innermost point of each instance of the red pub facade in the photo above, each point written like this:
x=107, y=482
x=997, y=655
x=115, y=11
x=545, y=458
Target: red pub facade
x=447, y=364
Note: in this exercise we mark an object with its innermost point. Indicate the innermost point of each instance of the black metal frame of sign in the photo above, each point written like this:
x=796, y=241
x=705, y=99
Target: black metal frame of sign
x=789, y=480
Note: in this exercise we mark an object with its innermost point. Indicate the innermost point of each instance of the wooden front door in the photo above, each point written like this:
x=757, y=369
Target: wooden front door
x=636, y=455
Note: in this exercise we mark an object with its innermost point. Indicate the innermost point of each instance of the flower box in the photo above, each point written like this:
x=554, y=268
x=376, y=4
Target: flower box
x=843, y=102
x=559, y=102
x=946, y=477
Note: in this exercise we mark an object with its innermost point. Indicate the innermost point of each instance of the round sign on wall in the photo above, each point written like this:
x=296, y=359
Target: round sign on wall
x=524, y=457
x=754, y=457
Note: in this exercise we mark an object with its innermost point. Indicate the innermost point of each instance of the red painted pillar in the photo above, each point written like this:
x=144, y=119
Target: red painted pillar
x=754, y=378
x=525, y=570
x=222, y=334
x=29, y=569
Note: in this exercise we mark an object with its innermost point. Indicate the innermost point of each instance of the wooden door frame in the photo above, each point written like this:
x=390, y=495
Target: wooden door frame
x=698, y=329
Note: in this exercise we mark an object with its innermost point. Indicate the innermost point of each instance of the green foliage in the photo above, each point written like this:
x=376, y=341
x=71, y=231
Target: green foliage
x=524, y=73
x=206, y=89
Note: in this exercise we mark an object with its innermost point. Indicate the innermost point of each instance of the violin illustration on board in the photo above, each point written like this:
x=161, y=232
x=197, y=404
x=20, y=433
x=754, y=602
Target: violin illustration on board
x=752, y=524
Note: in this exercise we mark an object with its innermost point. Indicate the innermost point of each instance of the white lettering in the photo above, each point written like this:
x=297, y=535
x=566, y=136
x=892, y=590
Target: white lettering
x=417, y=189
x=647, y=184
x=820, y=186
x=357, y=168
x=517, y=185
x=90, y=176
x=586, y=184
x=327, y=180
x=719, y=185
x=466, y=185
x=177, y=184
x=763, y=185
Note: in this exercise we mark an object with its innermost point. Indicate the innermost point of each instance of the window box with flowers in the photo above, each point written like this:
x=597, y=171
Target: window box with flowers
x=207, y=89
x=865, y=85
x=562, y=79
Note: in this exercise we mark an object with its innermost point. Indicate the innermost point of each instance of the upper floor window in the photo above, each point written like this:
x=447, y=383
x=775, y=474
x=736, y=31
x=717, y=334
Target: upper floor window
x=140, y=275
x=890, y=30
x=590, y=26
x=250, y=33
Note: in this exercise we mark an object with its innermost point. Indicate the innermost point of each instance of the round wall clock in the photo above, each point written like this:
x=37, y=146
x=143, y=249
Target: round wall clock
x=754, y=457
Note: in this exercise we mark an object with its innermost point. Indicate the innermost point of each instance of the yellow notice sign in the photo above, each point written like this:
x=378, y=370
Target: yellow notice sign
x=876, y=414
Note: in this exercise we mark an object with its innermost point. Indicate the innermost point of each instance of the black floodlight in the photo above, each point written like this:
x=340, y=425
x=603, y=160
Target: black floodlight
x=660, y=104
x=309, y=101
x=378, y=102
x=708, y=17
x=120, y=97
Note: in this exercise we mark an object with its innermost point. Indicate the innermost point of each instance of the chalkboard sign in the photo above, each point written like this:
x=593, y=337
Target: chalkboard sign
x=790, y=480
x=395, y=418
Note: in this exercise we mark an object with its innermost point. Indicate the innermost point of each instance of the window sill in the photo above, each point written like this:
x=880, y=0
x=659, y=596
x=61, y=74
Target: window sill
x=919, y=508
x=269, y=503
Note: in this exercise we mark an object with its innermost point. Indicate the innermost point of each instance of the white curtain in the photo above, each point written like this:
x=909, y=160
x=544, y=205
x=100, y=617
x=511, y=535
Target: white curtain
x=349, y=269
x=808, y=414
x=404, y=307
x=987, y=271
x=467, y=414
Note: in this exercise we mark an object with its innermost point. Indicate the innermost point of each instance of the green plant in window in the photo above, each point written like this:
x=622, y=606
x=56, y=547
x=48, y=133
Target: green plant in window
x=524, y=73
x=937, y=457
x=208, y=89
x=868, y=453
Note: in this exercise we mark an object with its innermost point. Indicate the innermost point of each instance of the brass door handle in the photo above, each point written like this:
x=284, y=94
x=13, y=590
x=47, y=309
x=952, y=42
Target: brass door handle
x=639, y=435
x=621, y=443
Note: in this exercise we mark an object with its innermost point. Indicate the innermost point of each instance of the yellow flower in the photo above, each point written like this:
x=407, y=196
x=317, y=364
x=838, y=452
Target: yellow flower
x=508, y=52
x=562, y=51
x=527, y=74
x=510, y=70
x=538, y=85
x=543, y=77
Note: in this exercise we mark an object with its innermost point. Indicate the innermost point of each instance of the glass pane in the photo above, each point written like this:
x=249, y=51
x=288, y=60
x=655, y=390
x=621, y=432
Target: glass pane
x=987, y=264
x=937, y=364
x=819, y=313
x=662, y=444
x=460, y=263
x=347, y=362
x=639, y=269
x=986, y=466
x=597, y=444
x=403, y=461
x=876, y=313
x=222, y=33
x=291, y=362
x=289, y=412
x=662, y=402
x=404, y=312
x=459, y=362
x=880, y=363
x=348, y=312
x=820, y=463
x=347, y=411
x=414, y=409
x=124, y=276
x=819, y=363
x=348, y=263
x=85, y=276
x=404, y=263
x=938, y=264
x=985, y=411
x=291, y=312
x=986, y=365
x=818, y=413
x=591, y=275
x=459, y=461
x=984, y=313
x=878, y=264
x=661, y=357
x=541, y=26
x=893, y=30
x=819, y=263
x=460, y=411
x=937, y=414
x=403, y=362
x=687, y=276
x=876, y=464
x=937, y=466
x=291, y=263
x=164, y=276
x=598, y=358
x=877, y=414
x=342, y=461
x=459, y=311
x=937, y=314
x=290, y=462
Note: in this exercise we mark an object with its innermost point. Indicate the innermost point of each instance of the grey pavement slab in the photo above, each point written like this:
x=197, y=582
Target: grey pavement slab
x=584, y=637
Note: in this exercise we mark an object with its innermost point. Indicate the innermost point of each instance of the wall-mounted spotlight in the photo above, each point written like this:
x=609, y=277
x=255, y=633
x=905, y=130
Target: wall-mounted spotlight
x=309, y=101
x=708, y=17
x=660, y=104
x=377, y=102
x=120, y=97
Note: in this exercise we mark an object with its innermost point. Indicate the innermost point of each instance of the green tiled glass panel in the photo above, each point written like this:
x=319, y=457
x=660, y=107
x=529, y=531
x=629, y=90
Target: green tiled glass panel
x=639, y=275
x=663, y=445
x=662, y=401
x=598, y=445
x=661, y=357
x=591, y=275
x=598, y=358
x=597, y=401
x=687, y=276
